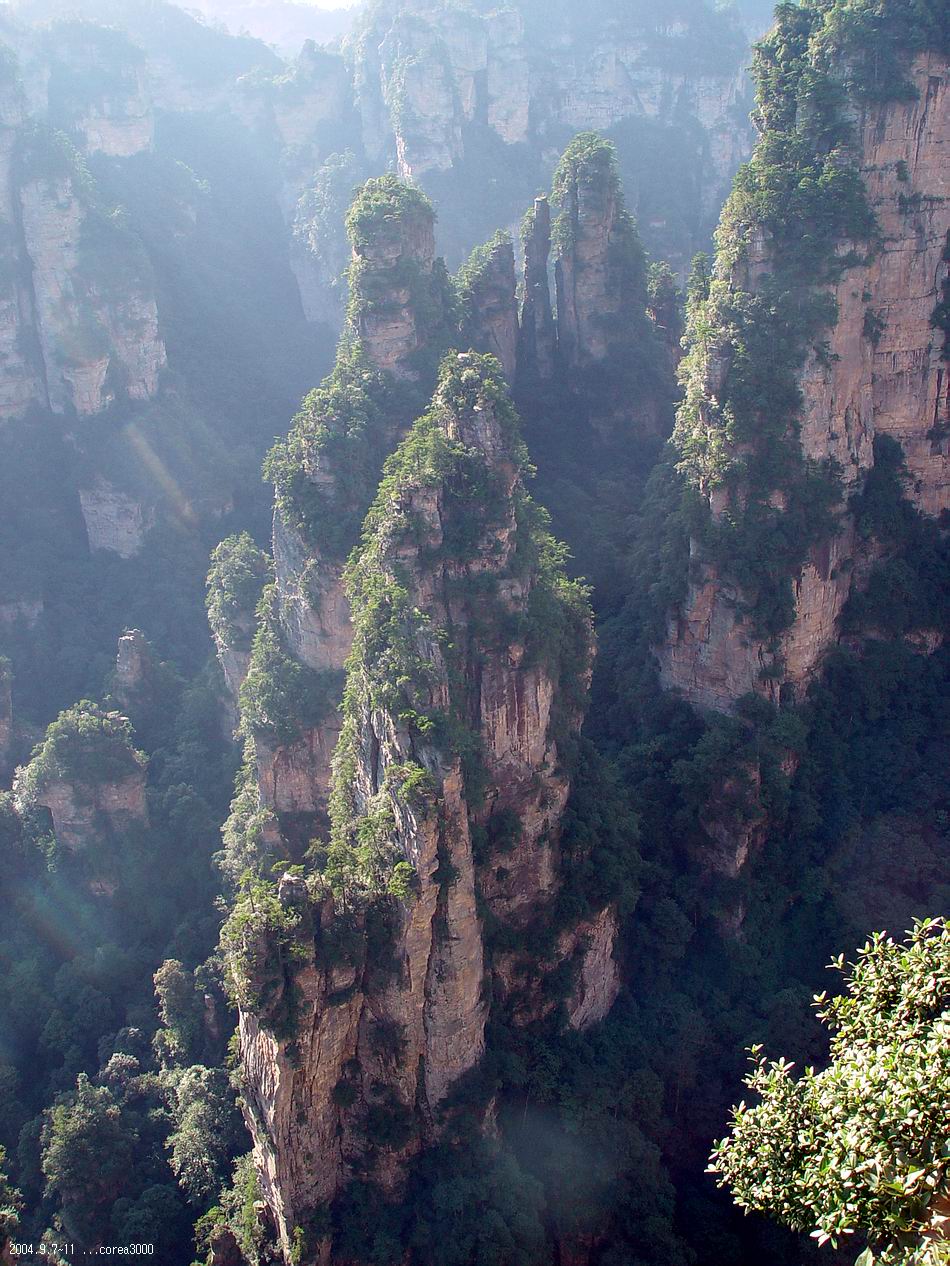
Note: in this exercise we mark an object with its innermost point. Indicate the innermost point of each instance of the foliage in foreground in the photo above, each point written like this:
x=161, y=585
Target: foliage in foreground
x=861, y=1147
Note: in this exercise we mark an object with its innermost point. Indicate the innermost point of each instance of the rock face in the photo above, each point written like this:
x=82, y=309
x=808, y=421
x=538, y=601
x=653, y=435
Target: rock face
x=95, y=341
x=238, y=575
x=98, y=89
x=79, y=320
x=399, y=307
x=88, y=775
x=883, y=372
x=538, y=334
x=81, y=811
x=424, y=72
x=598, y=297
x=114, y=521
x=314, y=612
x=134, y=667
x=394, y=274
x=21, y=381
x=447, y=799
x=597, y=984
x=887, y=372
x=490, y=316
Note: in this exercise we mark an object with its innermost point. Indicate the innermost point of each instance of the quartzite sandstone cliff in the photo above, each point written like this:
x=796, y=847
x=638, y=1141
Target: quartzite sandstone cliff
x=884, y=372
x=448, y=645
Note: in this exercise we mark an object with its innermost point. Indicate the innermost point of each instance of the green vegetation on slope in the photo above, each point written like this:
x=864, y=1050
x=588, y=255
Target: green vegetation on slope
x=84, y=745
x=239, y=572
x=794, y=204
x=396, y=644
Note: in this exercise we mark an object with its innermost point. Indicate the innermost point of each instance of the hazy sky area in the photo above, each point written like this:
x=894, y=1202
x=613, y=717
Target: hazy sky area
x=284, y=23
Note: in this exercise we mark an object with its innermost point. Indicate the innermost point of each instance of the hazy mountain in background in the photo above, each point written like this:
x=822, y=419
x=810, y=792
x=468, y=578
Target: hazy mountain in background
x=283, y=23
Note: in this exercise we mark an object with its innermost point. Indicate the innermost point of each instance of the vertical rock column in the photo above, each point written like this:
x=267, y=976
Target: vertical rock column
x=361, y=982
x=98, y=338
x=21, y=379
x=538, y=337
x=326, y=473
x=599, y=261
x=489, y=309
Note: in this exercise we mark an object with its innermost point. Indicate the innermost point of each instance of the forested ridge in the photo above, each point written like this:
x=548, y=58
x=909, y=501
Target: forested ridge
x=411, y=883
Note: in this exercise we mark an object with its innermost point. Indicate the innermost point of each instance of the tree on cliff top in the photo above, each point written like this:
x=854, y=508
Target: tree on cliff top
x=863, y=1146
x=85, y=744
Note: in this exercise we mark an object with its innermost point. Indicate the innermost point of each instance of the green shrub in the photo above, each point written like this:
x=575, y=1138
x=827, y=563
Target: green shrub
x=860, y=1146
x=83, y=745
x=281, y=697
x=239, y=572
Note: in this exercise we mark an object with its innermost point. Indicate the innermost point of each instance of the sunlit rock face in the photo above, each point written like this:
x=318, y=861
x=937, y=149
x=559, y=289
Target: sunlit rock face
x=93, y=787
x=98, y=334
x=883, y=373
x=425, y=74
x=384, y=1033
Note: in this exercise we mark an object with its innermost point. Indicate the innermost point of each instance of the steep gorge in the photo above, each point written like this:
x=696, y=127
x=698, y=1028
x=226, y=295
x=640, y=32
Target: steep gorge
x=495, y=953
x=440, y=783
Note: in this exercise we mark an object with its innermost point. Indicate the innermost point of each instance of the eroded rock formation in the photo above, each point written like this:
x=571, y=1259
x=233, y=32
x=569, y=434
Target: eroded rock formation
x=425, y=75
x=365, y=981
x=89, y=776
x=395, y=278
x=538, y=334
x=882, y=373
x=400, y=313
x=489, y=316
x=96, y=338
x=114, y=521
x=598, y=264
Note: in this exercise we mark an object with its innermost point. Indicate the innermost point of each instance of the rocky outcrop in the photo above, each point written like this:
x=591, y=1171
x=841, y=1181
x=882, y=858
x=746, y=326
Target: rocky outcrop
x=425, y=71
x=397, y=287
x=99, y=337
x=314, y=612
x=88, y=775
x=489, y=319
x=134, y=666
x=21, y=380
x=886, y=371
x=365, y=991
x=538, y=335
x=400, y=309
x=238, y=575
x=98, y=90
x=597, y=982
x=598, y=265
x=80, y=812
x=882, y=372
x=440, y=85
x=114, y=521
